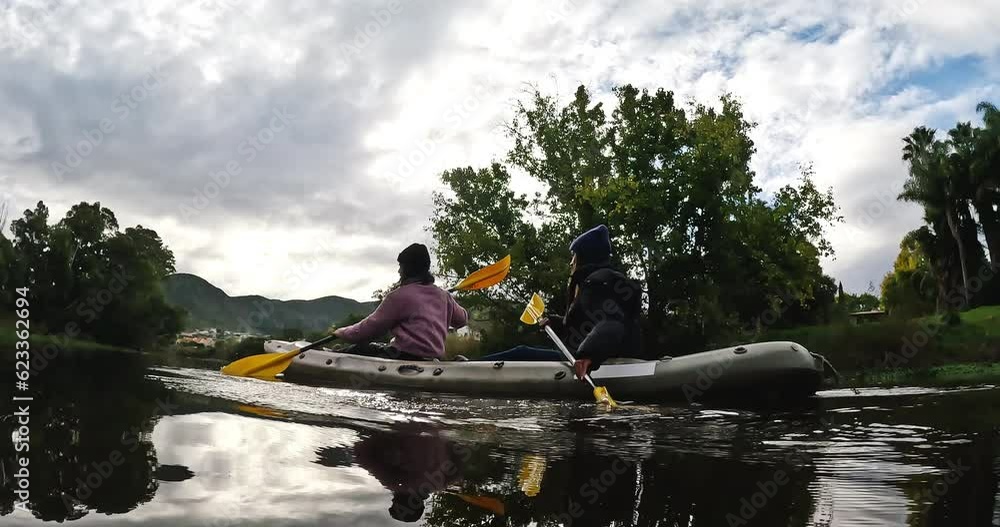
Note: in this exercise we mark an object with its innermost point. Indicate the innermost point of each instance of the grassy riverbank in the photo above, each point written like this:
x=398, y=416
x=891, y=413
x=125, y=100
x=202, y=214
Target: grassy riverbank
x=8, y=339
x=920, y=351
x=963, y=374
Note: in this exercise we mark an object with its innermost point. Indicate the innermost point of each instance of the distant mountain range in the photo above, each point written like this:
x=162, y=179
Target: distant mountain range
x=210, y=307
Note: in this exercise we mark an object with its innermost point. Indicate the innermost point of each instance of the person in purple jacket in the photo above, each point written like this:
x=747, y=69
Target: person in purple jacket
x=416, y=312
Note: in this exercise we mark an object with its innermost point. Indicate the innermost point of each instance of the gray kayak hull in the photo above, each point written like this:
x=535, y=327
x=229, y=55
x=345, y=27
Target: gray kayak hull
x=765, y=369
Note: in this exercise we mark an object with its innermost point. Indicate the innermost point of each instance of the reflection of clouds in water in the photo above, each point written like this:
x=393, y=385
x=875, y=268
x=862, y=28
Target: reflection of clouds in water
x=862, y=483
x=858, y=503
x=252, y=469
x=863, y=469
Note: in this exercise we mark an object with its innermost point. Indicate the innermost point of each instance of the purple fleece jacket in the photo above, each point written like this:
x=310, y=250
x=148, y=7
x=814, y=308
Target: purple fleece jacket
x=418, y=316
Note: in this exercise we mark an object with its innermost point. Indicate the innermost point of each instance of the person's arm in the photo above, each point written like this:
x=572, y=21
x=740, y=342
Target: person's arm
x=602, y=342
x=384, y=318
x=459, y=316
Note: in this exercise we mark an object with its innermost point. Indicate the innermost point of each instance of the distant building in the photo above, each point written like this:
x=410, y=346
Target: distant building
x=196, y=339
x=209, y=336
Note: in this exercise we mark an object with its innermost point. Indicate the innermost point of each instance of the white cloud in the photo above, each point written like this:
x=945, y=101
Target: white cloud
x=836, y=85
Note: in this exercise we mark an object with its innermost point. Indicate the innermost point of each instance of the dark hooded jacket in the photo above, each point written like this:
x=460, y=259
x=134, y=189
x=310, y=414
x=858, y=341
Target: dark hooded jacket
x=602, y=315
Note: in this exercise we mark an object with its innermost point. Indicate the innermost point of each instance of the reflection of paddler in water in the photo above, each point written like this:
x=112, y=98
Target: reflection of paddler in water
x=413, y=463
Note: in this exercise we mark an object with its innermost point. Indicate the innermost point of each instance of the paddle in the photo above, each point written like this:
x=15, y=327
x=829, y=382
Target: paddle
x=532, y=314
x=488, y=276
x=268, y=365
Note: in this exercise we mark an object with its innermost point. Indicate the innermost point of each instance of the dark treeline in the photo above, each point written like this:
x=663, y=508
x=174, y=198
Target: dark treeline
x=673, y=184
x=87, y=278
x=943, y=265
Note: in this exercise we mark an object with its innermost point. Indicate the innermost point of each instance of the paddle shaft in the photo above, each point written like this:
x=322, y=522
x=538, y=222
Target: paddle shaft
x=569, y=356
x=316, y=344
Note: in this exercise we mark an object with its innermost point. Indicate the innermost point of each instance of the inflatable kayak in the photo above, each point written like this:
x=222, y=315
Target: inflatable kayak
x=765, y=369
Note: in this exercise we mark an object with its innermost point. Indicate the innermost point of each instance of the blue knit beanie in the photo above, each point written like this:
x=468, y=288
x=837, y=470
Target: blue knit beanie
x=593, y=246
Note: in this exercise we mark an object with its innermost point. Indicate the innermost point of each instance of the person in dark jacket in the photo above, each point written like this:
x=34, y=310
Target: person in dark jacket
x=603, y=305
x=602, y=314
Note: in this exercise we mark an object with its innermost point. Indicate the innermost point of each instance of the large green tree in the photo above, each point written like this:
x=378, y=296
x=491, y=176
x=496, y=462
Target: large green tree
x=88, y=278
x=674, y=185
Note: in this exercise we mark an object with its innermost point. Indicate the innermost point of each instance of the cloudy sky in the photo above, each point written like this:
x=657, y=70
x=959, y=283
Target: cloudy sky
x=290, y=148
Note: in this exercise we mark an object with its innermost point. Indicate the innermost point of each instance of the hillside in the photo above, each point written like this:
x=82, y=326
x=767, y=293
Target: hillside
x=210, y=307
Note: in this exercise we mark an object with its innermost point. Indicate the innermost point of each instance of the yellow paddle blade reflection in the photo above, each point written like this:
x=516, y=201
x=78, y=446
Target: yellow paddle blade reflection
x=531, y=474
x=484, y=502
x=491, y=504
x=260, y=410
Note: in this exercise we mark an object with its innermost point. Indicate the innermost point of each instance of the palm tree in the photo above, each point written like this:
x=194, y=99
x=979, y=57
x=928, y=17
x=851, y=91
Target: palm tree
x=962, y=143
x=985, y=178
x=933, y=185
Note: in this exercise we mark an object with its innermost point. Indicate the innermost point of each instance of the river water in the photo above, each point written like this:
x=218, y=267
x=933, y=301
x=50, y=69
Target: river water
x=180, y=447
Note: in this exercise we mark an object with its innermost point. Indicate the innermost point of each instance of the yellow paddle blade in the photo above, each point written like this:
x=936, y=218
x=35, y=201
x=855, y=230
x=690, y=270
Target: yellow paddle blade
x=602, y=396
x=487, y=276
x=491, y=504
x=533, y=311
x=265, y=366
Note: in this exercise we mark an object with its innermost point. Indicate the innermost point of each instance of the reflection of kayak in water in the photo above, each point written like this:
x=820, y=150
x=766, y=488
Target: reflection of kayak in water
x=747, y=371
x=173, y=473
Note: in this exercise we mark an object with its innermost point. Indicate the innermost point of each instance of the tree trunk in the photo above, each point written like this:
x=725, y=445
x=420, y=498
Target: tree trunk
x=942, y=295
x=990, y=221
x=953, y=225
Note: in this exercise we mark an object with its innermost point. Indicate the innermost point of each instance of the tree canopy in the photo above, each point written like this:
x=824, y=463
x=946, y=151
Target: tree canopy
x=87, y=277
x=674, y=186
